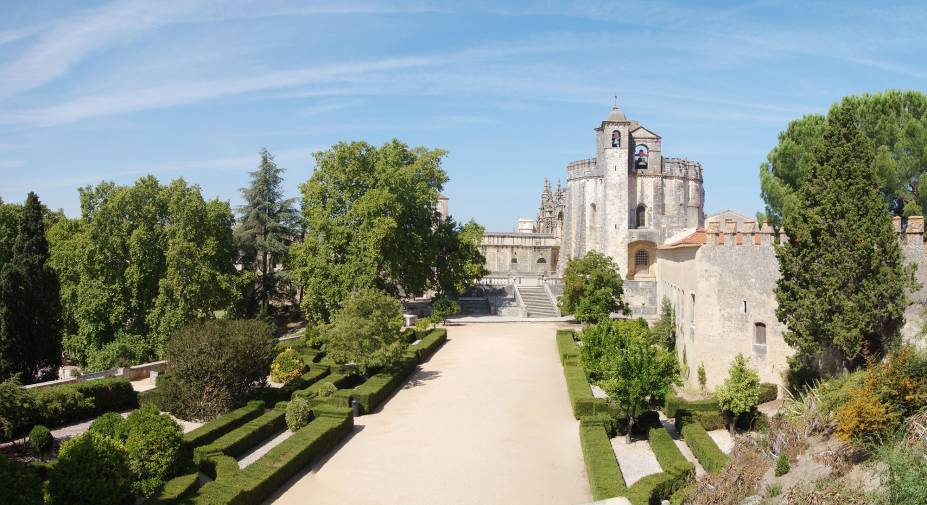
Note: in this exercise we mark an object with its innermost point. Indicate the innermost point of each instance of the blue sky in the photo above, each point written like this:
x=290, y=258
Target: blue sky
x=113, y=90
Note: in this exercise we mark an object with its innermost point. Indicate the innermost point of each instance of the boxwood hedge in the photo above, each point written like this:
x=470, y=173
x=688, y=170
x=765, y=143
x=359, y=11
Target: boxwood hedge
x=429, y=344
x=703, y=447
x=602, y=470
x=674, y=403
x=223, y=424
x=175, y=489
x=677, y=470
x=241, y=439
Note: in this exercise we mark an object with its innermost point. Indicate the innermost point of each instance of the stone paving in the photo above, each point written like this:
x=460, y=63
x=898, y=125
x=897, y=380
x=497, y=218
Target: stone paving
x=487, y=420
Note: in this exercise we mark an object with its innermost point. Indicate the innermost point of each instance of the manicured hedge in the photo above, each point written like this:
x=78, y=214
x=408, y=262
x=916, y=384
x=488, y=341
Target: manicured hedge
x=223, y=424
x=371, y=393
x=584, y=404
x=69, y=403
x=602, y=470
x=566, y=346
x=245, y=437
x=429, y=344
x=704, y=448
x=677, y=470
x=176, y=489
x=768, y=392
x=674, y=403
x=709, y=419
x=262, y=478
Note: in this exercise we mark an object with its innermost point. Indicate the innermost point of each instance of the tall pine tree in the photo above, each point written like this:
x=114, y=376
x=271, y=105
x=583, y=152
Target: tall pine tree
x=844, y=281
x=30, y=304
x=266, y=227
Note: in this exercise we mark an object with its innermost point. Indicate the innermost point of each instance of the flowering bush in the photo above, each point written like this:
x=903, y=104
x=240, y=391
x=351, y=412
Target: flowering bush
x=287, y=366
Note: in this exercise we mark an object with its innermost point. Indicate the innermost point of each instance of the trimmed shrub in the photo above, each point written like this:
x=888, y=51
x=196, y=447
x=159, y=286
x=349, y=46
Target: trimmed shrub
x=41, y=441
x=110, y=424
x=21, y=484
x=673, y=403
x=602, y=470
x=782, y=464
x=298, y=413
x=709, y=419
x=288, y=365
x=175, y=490
x=91, y=470
x=584, y=404
x=768, y=392
x=17, y=409
x=566, y=346
x=112, y=394
x=677, y=470
x=241, y=439
x=61, y=405
x=704, y=448
x=215, y=365
x=429, y=343
x=376, y=389
x=221, y=425
x=153, y=444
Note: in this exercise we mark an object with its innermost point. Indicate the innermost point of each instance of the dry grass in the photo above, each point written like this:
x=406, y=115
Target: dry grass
x=828, y=492
x=738, y=480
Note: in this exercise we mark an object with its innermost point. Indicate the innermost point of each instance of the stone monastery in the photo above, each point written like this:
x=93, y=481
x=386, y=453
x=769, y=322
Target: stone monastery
x=646, y=211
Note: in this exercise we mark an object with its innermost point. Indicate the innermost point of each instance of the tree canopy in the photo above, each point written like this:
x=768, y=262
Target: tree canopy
x=139, y=263
x=740, y=391
x=592, y=288
x=30, y=305
x=371, y=222
x=894, y=124
x=365, y=332
x=843, y=277
x=266, y=227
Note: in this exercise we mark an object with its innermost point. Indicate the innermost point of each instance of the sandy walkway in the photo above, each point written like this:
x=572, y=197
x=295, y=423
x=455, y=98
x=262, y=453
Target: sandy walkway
x=487, y=420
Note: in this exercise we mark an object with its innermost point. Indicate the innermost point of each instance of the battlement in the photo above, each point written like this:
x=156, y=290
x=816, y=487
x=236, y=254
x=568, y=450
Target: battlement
x=730, y=234
x=582, y=168
x=682, y=167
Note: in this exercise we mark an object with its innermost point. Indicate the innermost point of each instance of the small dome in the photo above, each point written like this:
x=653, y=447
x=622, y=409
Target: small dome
x=616, y=115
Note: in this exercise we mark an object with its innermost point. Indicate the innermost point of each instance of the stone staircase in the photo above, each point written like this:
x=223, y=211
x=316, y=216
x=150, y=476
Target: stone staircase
x=537, y=303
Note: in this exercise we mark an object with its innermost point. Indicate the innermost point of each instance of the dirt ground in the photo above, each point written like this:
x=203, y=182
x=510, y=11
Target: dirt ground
x=487, y=420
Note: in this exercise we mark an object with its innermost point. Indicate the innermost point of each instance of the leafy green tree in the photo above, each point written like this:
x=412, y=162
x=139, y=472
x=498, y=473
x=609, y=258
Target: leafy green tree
x=10, y=215
x=740, y=392
x=459, y=262
x=894, y=124
x=140, y=262
x=843, y=277
x=266, y=227
x=18, y=409
x=443, y=307
x=606, y=337
x=664, y=330
x=30, y=305
x=702, y=379
x=636, y=374
x=592, y=288
x=91, y=470
x=366, y=332
x=370, y=216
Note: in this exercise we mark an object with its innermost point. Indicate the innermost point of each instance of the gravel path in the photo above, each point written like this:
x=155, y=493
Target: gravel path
x=256, y=454
x=681, y=444
x=723, y=439
x=635, y=459
x=487, y=420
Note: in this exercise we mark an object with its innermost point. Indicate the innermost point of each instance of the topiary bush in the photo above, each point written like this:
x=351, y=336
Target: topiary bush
x=287, y=366
x=298, y=413
x=215, y=365
x=61, y=405
x=41, y=441
x=91, y=470
x=20, y=484
x=17, y=409
x=110, y=424
x=153, y=444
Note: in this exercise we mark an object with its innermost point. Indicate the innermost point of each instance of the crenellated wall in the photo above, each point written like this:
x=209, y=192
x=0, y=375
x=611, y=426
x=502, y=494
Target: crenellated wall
x=723, y=289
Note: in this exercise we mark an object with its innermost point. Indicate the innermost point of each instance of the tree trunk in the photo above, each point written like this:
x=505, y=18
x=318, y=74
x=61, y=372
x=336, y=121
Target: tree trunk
x=630, y=427
x=732, y=424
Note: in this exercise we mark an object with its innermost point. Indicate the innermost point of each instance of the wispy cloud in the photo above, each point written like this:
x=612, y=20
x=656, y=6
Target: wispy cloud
x=8, y=36
x=323, y=107
x=5, y=164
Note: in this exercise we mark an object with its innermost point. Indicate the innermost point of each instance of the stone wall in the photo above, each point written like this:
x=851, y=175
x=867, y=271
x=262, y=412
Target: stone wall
x=534, y=253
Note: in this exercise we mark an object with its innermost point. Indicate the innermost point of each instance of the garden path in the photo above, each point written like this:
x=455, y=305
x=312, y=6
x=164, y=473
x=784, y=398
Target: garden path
x=487, y=420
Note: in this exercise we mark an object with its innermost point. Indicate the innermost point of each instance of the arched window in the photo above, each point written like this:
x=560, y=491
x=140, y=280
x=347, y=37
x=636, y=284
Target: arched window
x=759, y=340
x=641, y=155
x=642, y=258
x=641, y=216
x=542, y=260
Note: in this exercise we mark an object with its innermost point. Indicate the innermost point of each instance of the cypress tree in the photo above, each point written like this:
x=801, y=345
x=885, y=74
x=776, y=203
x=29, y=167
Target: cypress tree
x=265, y=228
x=30, y=304
x=844, y=281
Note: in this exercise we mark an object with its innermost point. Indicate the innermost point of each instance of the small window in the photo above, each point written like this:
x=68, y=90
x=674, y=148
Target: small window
x=542, y=260
x=641, y=216
x=514, y=260
x=641, y=258
x=759, y=340
x=743, y=306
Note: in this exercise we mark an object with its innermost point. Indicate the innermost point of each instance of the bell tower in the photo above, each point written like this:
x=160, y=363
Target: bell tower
x=614, y=144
